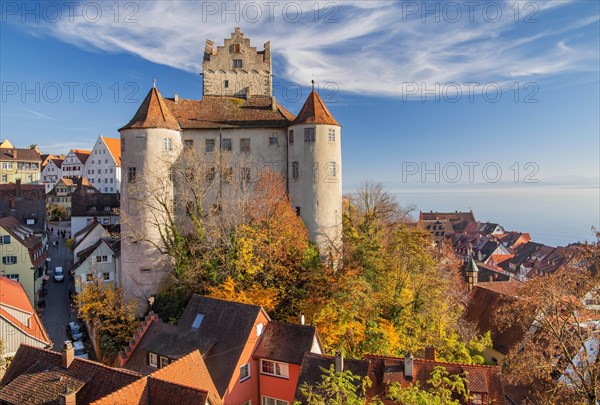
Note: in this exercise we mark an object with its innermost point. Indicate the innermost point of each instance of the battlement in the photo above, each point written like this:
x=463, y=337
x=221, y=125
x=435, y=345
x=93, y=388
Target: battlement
x=236, y=69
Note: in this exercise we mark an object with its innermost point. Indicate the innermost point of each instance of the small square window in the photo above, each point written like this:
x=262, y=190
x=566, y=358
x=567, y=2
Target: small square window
x=273, y=139
x=106, y=276
x=245, y=372
x=211, y=173
x=197, y=321
x=209, y=145
x=331, y=134
x=237, y=63
x=188, y=143
x=245, y=145
x=309, y=134
x=226, y=145
x=152, y=360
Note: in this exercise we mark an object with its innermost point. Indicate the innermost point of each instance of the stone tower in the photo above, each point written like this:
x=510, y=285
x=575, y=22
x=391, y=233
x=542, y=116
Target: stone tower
x=150, y=143
x=236, y=69
x=315, y=175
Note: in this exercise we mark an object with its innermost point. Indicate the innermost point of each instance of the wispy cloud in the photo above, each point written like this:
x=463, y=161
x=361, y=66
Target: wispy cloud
x=373, y=48
x=40, y=115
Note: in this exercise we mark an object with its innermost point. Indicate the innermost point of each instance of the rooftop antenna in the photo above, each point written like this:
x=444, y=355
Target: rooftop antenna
x=154, y=83
x=313, y=84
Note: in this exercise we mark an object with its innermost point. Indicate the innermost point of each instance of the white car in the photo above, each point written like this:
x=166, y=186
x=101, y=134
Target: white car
x=80, y=350
x=59, y=275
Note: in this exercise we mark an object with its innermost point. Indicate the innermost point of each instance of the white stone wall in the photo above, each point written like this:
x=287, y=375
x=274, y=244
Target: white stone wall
x=101, y=170
x=317, y=190
x=71, y=166
x=143, y=266
x=51, y=175
x=97, y=268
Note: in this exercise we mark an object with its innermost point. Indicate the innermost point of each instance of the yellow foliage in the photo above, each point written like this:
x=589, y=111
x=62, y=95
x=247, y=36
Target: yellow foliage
x=255, y=295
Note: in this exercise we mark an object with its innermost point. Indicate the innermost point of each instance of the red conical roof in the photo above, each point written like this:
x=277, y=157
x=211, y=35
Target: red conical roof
x=153, y=113
x=314, y=111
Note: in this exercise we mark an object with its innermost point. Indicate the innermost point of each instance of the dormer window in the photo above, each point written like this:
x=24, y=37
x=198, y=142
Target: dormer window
x=237, y=63
x=197, y=321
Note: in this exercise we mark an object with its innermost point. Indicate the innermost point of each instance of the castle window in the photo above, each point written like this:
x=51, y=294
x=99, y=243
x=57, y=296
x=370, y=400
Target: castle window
x=226, y=84
x=167, y=145
x=211, y=173
x=237, y=63
x=209, y=145
x=131, y=174
x=331, y=134
x=245, y=145
x=309, y=134
x=235, y=48
x=332, y=169
x=226, y=145
x=273, y=139
x=291, y=136
x=188, y=143
x=245, y=174
x=295, y=170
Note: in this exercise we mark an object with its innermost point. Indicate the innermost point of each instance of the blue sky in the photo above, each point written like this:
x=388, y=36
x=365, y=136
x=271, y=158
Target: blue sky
x=381, y=57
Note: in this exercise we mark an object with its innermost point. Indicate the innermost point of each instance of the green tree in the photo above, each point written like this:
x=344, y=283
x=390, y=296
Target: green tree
x=444, y=389
x=335, y=388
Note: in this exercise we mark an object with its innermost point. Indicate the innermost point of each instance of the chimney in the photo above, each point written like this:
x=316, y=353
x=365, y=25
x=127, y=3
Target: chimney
x=430, y=353
x=408, y=366
x=69, y=397
x=339, y=362
x=68, y=354
x=301, y=319
x=15, y=154
x=273, y=103
x=176, y=98
x=491, y=278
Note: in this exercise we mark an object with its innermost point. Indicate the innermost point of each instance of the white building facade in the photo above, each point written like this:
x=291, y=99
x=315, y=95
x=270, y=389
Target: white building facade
x=73, y=164
x=51, y=174
x=103, y=167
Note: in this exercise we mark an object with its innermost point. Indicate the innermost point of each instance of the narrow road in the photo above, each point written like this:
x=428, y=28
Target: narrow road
x=58, y=312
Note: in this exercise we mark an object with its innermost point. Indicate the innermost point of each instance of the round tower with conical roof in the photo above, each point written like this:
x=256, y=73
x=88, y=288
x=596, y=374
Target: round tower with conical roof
x=150, y=143
x=315, y=174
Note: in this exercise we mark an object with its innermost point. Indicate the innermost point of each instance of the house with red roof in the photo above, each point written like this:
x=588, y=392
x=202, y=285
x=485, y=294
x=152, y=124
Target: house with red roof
x=23, y=257
x=72, y=165
x=103, y=166
x=19, y=323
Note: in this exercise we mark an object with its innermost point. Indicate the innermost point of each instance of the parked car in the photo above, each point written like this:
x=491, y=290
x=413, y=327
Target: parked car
x=75, y=331
x=80, y=350
x=59, y=274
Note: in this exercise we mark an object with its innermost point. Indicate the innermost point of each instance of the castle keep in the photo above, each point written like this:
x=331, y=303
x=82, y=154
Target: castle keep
x=239, y=128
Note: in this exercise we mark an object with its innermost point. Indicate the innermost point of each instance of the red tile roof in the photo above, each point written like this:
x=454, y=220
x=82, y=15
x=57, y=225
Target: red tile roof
x=230, y=112
x=82, y=154
x=13, y=295
x=184, y=381
x=153, y=113
x=36, y=376
x=480, y=379
x=314, y=111
x=19, y=155
x=114, y=147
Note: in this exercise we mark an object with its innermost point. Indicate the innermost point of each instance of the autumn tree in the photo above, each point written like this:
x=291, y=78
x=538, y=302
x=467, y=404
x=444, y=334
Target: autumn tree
x=558, y=359
x=274, y=261
x=397, y=290
x=106, y=312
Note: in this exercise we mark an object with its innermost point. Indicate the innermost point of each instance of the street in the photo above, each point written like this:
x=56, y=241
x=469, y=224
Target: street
x=58, y=312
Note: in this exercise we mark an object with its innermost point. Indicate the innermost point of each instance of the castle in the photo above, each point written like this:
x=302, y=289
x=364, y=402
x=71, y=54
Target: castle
x=236, y=130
